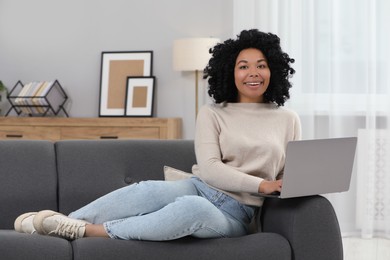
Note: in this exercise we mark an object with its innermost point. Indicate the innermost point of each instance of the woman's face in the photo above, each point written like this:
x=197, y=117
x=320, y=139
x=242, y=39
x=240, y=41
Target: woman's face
x=251, y=76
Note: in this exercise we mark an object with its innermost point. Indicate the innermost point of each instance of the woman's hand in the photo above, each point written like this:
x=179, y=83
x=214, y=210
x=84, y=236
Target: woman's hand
x=267, y=187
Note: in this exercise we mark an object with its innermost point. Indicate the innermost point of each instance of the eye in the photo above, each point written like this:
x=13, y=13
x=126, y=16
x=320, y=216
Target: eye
x=262, y=66
x=243, y=67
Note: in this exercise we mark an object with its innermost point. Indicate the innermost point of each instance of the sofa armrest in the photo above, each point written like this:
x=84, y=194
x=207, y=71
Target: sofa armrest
x=308, y=223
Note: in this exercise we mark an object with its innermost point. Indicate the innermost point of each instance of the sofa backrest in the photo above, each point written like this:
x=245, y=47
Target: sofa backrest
x=28, y=179
x=88, y=169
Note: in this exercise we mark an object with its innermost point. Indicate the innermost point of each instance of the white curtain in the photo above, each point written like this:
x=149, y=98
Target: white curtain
x=341, y=88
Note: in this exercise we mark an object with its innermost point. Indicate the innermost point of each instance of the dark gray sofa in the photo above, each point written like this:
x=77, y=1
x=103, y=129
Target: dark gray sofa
x=65, y=175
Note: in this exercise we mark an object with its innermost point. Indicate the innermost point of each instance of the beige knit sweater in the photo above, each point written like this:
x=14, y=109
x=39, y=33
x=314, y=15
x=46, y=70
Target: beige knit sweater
x=238, y=145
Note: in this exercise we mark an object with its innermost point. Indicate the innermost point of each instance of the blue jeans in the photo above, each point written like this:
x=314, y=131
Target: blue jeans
x=167, y=210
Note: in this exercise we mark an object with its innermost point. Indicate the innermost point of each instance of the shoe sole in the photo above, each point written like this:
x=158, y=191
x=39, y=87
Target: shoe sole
x=19, y=220
x=40, y=217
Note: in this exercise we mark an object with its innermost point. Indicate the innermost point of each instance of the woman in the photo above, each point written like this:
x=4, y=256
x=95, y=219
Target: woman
x=240, y=148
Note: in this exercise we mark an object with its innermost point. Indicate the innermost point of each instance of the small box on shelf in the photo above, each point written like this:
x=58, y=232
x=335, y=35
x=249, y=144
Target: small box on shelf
x=43, y=98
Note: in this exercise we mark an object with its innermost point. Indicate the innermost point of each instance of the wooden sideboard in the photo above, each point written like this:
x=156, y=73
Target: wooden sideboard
x=56, y=128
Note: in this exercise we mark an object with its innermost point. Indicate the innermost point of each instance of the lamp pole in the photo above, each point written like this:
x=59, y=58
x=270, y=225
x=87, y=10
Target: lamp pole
x=196, y=93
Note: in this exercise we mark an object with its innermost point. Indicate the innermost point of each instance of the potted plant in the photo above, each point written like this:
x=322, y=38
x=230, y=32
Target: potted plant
x=2, y=86
x=3, y=90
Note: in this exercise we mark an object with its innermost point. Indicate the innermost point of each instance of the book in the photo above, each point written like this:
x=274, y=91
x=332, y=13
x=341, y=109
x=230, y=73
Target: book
x=39, y=97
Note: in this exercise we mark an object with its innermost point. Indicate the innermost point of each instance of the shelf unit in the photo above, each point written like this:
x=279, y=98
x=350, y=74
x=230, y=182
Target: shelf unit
x=37, y=99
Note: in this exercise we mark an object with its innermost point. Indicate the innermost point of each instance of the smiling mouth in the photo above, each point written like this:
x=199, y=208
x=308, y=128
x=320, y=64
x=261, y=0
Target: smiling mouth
x=253, y=84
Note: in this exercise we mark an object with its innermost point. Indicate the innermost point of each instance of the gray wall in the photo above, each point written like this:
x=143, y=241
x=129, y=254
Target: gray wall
x=51, y=39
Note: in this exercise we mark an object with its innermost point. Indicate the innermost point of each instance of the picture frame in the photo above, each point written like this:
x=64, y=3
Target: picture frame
x=140, y=96
x=116, y=67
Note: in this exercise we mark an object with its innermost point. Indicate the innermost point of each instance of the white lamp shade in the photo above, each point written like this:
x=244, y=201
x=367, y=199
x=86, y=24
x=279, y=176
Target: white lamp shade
x=192, y=53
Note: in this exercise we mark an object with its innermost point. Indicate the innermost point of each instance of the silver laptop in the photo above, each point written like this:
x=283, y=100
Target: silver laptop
x=317, y=167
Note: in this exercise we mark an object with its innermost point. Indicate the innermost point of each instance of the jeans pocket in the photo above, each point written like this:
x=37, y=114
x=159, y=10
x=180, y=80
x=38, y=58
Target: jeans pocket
x=224, y=202
x=249, y=211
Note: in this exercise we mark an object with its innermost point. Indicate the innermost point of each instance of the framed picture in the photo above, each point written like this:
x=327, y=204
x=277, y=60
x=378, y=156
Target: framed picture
x=139, y=96
x=116, y=67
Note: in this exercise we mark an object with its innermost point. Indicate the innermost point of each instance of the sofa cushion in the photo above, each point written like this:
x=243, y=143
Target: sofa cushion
x=257, y=246
x=28, y=179
x=14, y=245
x=173, y=174
x=88, y=169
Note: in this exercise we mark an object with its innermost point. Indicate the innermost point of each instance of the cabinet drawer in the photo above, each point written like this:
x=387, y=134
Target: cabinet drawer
x=29, y=132
x=110, y=133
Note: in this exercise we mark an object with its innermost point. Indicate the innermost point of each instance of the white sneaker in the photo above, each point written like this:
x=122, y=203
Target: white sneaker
x=48, y=222
x=24, y=223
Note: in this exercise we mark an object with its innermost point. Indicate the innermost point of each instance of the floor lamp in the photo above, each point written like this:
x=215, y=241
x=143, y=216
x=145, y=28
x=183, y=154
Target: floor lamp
x=192, y=54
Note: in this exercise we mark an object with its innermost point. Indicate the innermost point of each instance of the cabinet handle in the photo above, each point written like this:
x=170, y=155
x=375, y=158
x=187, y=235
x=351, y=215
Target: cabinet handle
x=14, y=136
x=108, y=137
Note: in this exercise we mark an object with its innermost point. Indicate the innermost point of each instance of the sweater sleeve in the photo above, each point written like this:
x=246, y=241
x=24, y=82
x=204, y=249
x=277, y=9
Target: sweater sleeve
x=297, y=127
x=297, y=135
x=211, y=168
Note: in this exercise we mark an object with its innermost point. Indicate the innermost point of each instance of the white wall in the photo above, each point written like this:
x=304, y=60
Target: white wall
x=51, y=39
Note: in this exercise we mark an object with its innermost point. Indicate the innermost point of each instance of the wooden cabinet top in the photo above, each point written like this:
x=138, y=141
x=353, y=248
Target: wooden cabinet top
x=170, y=126
x=79, y=121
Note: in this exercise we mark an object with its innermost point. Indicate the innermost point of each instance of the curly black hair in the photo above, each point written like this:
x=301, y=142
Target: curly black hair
x=220, y=69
